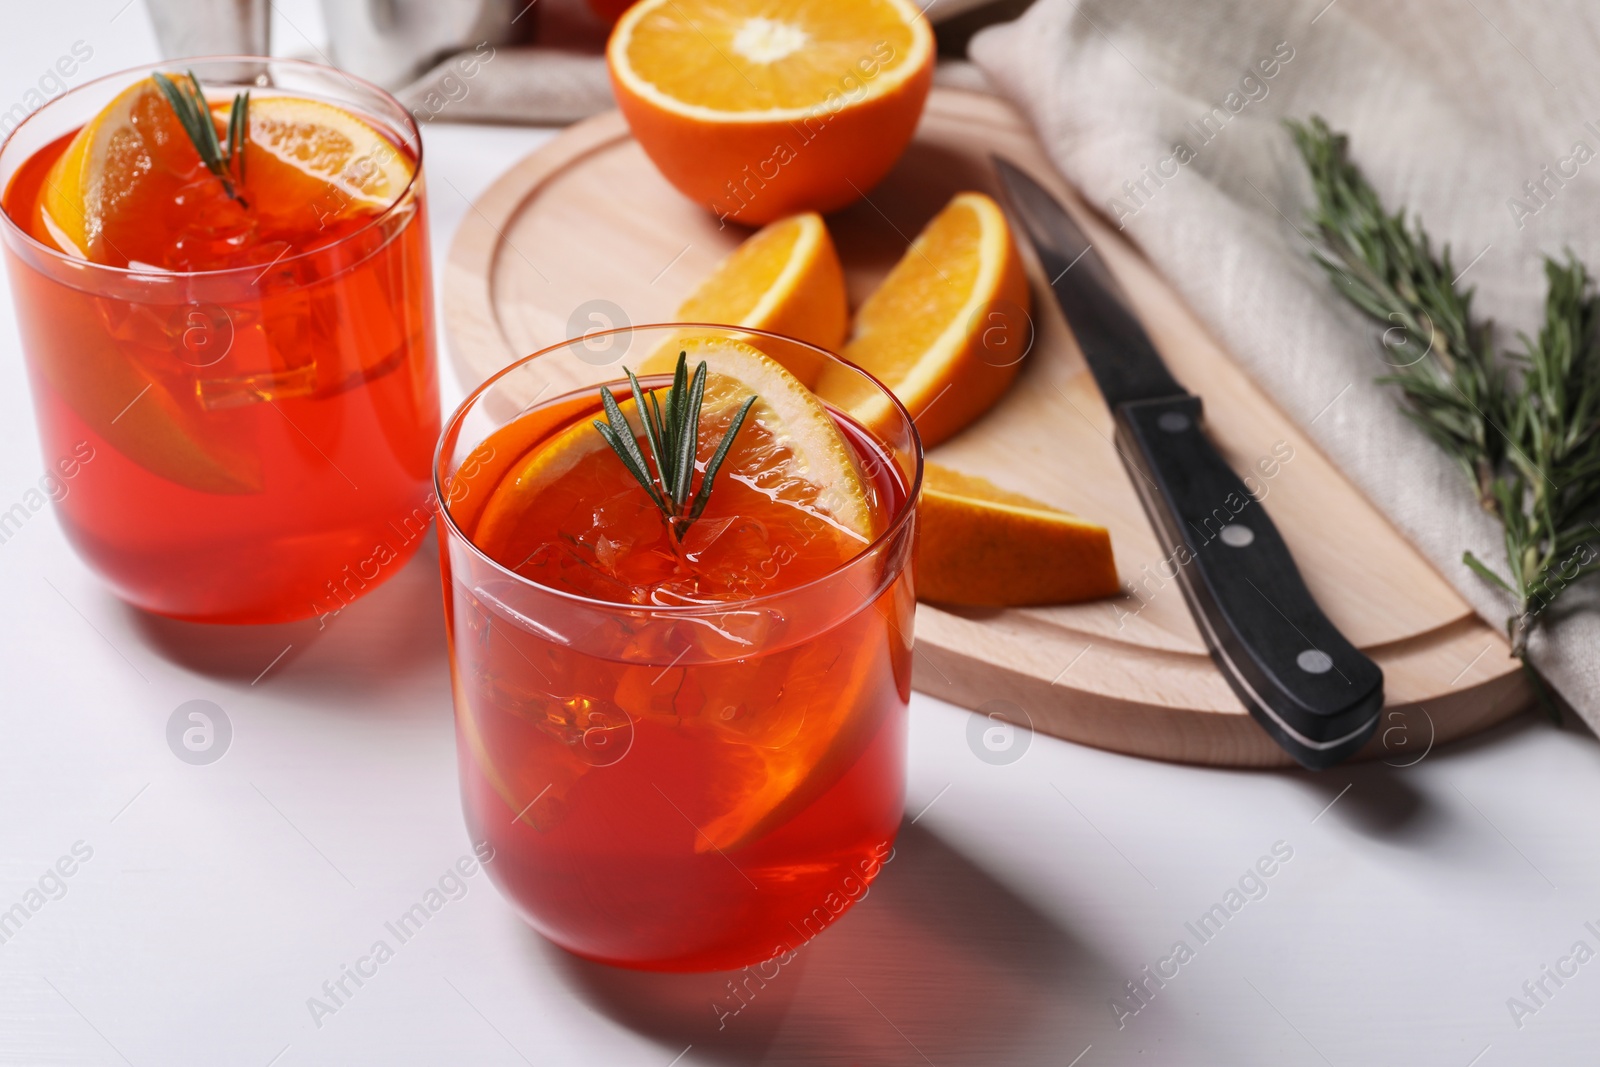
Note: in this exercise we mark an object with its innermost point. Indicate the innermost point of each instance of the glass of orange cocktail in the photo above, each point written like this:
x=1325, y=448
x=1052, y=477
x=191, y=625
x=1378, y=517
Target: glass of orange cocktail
x=244, y=351
x=684, y=740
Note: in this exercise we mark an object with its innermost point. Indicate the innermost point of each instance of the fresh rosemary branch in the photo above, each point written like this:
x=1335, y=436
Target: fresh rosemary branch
x=671, y=422
x=1442, y=357
x=1525, y=426
x=188, y=102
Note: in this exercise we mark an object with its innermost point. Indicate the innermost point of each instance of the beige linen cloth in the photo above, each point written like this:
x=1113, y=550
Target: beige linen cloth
x=1451, y=105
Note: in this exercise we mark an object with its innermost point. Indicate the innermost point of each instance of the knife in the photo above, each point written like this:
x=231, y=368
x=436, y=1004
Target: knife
x=1312, y=691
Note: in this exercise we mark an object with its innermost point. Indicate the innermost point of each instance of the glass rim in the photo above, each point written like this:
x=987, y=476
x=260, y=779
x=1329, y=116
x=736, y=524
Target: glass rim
x=40, y=247
x=892, y=530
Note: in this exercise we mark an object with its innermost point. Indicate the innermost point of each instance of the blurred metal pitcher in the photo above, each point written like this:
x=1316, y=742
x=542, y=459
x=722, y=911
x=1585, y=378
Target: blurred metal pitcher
x=210, y=27
x=390, y=42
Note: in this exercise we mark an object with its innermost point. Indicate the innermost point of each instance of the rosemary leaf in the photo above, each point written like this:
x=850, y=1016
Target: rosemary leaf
x=671, y=428
x=651, y=420
x=691, y=438
x=188, y=102
x=1482, y=570
x=1524, y=426
x=714, y=464
x=620, y=438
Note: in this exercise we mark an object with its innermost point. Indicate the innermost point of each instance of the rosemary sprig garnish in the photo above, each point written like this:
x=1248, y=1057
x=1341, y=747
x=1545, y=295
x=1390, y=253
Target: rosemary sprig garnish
x=1525, y=426
x=188, y=102
x=671, y=423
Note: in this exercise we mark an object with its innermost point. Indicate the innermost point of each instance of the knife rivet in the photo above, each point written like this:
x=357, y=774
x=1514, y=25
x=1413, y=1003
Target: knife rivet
x=1314, y=661
x=1173, y=422
x=1235, y=535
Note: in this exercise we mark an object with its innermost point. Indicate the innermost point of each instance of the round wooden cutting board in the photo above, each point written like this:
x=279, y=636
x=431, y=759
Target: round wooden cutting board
x=584, y=234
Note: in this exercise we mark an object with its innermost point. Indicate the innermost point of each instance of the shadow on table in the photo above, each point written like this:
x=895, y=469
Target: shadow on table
x=938, y=959
x=1414, y=800
x=393, y=631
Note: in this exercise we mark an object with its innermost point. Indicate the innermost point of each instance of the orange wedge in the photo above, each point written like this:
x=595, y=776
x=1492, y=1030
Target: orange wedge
x=947, y=329
x=758, y=110
x=785, y=279
x=98, y=179
x=983, y=546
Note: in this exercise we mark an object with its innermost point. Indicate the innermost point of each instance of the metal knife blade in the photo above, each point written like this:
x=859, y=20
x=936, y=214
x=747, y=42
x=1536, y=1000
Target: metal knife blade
x=1124, y=363
x=1309, y=688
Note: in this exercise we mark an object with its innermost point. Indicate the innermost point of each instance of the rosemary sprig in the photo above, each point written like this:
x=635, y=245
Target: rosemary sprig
x=1525, y=426
x=671, y=422
x=226, y=161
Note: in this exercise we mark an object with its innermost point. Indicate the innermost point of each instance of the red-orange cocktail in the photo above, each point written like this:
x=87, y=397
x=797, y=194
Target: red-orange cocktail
x=251, y=360
x=686, y=751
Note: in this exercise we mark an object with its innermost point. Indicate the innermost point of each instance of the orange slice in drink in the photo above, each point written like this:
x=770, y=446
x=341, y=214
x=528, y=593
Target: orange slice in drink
x=947, y=329
x=304, y=156
x=784, y=279
x=308, y=165
x=788, y=456
x=99, y=179
x=758, y=110
x=785, y=756
x=980, y=545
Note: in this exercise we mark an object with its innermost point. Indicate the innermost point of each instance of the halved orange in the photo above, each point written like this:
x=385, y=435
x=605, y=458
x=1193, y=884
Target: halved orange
x=981, y=545
x=758, y=110
x=947, y=329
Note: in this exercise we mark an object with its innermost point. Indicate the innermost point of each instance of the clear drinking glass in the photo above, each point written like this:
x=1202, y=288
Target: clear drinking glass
x=683, y=786
x=242, y=445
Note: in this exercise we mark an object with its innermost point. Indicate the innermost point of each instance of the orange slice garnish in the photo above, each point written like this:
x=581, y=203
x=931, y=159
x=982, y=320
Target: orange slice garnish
x=788, y=454
x=947, y=329
x=110, y=196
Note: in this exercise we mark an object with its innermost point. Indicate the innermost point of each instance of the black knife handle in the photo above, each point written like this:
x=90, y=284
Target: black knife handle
x=1314, y=692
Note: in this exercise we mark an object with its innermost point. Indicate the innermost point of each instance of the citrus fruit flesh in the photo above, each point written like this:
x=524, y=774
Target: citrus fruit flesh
x=789, y=499
x=758, y=110
x=131, y=190
x=948, y=327
x=743, y=57
x=786, y=279
x=981, y=545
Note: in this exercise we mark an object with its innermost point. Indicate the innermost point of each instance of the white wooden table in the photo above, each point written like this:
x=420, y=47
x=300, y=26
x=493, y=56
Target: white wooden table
x=207, y=904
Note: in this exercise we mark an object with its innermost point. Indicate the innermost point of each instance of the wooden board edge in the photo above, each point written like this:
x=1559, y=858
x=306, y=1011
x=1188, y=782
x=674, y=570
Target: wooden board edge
x=1215, y=738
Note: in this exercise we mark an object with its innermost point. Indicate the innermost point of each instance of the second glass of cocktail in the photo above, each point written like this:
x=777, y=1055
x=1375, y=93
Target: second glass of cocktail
x=220, y=270
x=680, y=641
